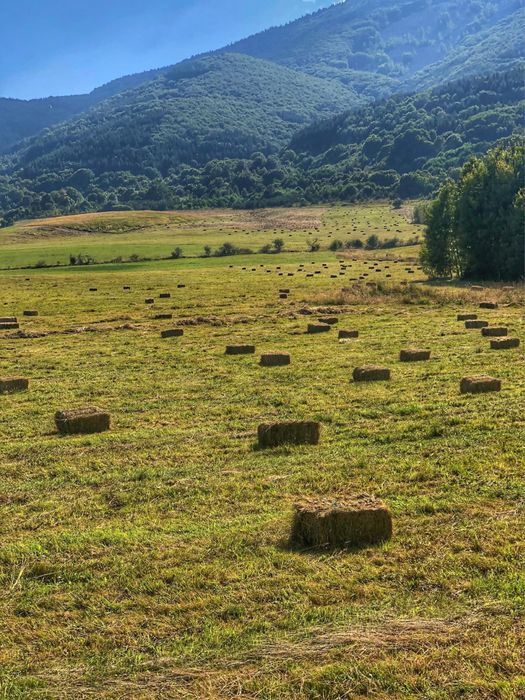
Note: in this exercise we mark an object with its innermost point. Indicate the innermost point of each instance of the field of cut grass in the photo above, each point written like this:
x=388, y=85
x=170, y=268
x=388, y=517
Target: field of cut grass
x=106, y=237
x=152, y=561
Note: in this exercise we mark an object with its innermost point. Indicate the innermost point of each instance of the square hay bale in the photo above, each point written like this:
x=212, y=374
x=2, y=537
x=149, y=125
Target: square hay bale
x=165, y=295
x=488, y=305
x=93, y=289
x=240, y=350
x=8, y=319
x=82, y=421
x=181, y=286
x=283, y=296
x=348, y=334
x=371, y=373
x=476, y=323
x=289, y=432
x=284, y=291
x=349, y=521
x=413, y=355
x=275, y=359
x=9, y=326
x=127, y=288
x=329, y=320
x=504, y=343
x=479, y=385
x=11, y=385
x=467, y=317
x=163, y=317
x=494, y=331
x=172, y=333
x=30, y=313
x=149, y=301
x=318, y=328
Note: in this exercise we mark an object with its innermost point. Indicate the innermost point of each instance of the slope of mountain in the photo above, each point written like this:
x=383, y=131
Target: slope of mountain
x=373, y=47
x=401, y=146
x=20, y=119
x=213, y=107
x=382, y=44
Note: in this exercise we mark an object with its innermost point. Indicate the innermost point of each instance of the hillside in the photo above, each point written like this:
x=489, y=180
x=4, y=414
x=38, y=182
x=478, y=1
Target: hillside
x=214, y=107
x=373, y=47
x=20, y=119
x=381, y=47
x=401, y=146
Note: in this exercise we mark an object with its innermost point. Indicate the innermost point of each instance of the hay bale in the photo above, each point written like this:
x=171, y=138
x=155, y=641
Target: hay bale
x=126, y=288
x=329, y=320
x=9, y=326
x=275, y=359
x=284, y=291
x=488, y=305
x=341, y=522
x=283, y=296
x=371, y=373
x=318, y=328
x=414, y=355
x=467, y=317
x=479, y=385
x=149, y=301
x=8, y=319
x=163, y=317
x=494, y=331
x=504, y=343
x=172, y=333
x=289, y=432
x=348, y=334
x=82, y=421
x=11, y=385
x=476, y=324
x=165, y=295
x=30, y=313
x=181, y=286
x=240, y=350
x=93, y=289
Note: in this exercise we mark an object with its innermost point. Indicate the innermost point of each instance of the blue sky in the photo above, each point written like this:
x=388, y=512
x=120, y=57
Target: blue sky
x=59, y=47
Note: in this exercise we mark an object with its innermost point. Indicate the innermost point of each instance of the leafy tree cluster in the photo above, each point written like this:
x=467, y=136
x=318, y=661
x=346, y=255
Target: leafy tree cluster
x=475, y=227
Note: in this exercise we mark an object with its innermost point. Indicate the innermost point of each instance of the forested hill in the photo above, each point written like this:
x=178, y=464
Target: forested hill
x=372, y=47
x=403, y=146
x=383, y=46
x=20, y=119
x=219, y=106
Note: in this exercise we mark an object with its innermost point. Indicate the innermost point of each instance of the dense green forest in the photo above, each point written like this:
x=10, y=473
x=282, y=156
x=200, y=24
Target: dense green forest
x=404, y=146
x=373, y=48
x=475, y=226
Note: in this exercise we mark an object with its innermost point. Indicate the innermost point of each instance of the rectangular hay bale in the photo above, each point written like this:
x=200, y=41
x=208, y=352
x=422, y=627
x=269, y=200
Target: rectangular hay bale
x=341, y=522
x=275, y=359
x=479, y=385
x=172, y=333
x=414, y=355
x=494, y=331
x=240, y=350
x=289, y=432
x=11, y=385
x=82, y=421
x=348, y=334
x=371, y=373
x=504, y=343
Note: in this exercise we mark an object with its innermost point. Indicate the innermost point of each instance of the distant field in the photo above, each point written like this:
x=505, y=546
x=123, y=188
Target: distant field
x=156, y=234
x=151, y=561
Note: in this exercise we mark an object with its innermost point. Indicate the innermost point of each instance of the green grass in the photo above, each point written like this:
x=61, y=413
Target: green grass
x=105, y=237
x=151, y=561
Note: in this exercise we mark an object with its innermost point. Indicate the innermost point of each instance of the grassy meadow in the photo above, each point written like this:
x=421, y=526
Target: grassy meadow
x=151, y=561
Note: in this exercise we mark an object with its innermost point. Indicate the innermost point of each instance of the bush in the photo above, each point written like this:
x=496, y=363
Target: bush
x=177, y=253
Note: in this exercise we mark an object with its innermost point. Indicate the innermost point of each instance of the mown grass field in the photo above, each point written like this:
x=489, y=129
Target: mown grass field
x=105, y=237
x=151, y=561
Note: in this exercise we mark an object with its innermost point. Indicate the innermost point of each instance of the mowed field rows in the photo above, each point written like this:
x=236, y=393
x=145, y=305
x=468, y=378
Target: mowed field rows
x=152, y=561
